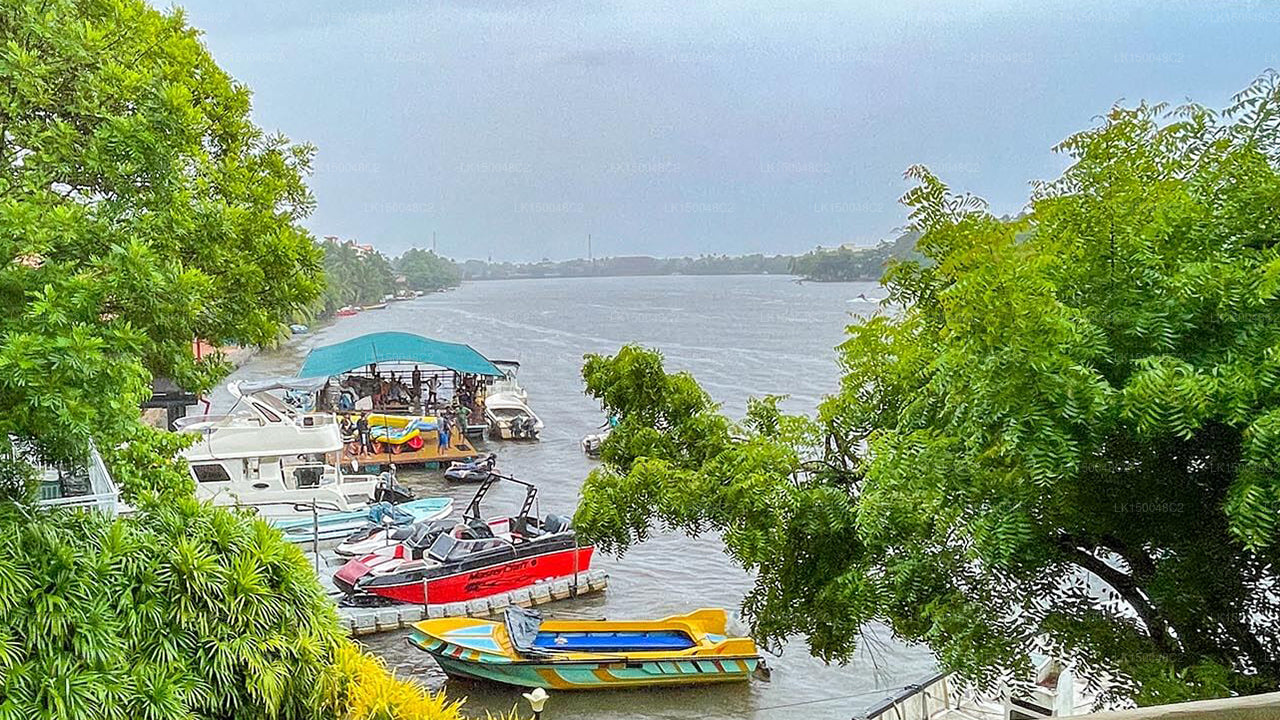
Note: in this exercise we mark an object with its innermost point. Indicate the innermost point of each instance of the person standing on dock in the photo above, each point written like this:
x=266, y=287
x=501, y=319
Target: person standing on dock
x=416, y=381
x=442, y=435
x=362, y=430
x=464, y=414
x=433, y=384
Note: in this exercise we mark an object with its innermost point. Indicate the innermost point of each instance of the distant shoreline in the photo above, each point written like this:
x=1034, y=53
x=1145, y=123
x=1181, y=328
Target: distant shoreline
x=795, y=277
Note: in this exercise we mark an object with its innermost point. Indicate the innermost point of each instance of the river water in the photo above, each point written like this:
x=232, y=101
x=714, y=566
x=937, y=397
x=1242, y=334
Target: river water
x=741, y=336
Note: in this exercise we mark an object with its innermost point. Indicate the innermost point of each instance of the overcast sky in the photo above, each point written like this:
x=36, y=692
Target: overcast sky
x=515, y=129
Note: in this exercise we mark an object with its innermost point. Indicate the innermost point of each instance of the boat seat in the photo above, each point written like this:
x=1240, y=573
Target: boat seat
x=614, y=641
x=525, y=527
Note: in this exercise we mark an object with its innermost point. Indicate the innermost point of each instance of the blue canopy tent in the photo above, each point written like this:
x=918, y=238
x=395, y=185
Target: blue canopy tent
x=392, y=347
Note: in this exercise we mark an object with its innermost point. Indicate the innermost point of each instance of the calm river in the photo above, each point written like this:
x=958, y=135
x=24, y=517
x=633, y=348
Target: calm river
x=740, y=336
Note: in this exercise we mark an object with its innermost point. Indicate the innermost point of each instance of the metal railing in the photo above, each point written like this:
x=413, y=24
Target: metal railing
x=78, y=486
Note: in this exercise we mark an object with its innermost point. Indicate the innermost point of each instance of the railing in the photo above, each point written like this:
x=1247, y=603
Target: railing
x=185, y=423
x=84, y=486
x=1250, y=707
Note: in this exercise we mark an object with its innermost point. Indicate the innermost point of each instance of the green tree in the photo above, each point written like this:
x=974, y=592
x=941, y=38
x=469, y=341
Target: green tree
x=426, y=271
x=845, y=264
x=1064, y=434
x=140, y=208
x=353, y=277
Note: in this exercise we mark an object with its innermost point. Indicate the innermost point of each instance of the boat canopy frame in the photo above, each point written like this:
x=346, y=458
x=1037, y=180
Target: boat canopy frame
x=395, y=347
x=473, y=508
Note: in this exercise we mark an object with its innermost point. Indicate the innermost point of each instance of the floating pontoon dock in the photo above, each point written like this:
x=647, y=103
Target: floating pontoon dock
x=370, y=620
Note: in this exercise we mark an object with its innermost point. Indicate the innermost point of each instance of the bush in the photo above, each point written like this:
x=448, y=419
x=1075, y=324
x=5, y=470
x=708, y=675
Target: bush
x=361, y=688
x=182, y=611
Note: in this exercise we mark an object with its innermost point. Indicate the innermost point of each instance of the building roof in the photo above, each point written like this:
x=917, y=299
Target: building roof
x=390, y=347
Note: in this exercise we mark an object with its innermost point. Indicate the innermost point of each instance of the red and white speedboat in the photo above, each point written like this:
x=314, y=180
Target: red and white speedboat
x=475, y=559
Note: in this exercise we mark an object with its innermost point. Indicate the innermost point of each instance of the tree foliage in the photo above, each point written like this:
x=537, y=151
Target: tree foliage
x=1062, y=434
x=181, y=611
x=140, y=207
x=426, y=271
x=353, y=277
x=846, y=264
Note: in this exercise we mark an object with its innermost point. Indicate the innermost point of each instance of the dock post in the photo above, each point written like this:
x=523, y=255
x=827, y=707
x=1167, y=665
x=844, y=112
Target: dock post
x=315, y=535
x=575, y=566
x=426, y=601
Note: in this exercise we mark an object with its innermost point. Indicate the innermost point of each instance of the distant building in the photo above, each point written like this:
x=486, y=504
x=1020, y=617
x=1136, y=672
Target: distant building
x=361, y=250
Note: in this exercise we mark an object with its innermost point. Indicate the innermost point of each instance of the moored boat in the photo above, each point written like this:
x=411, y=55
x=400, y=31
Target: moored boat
x=526, y=651
x=478, y=558
x=266, y=454
x=510, y=418
x=331, y=526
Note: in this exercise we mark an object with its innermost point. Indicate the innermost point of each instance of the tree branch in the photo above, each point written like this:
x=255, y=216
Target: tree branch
x=1157, y=627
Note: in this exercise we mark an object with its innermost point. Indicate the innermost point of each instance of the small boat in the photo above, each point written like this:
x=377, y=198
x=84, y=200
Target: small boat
x=471, y=470
x=526, y=651
x=509, y=418
x=375, y=306
x=347, y=311
x=331, y=526
x=591, y=443
x=478, y=558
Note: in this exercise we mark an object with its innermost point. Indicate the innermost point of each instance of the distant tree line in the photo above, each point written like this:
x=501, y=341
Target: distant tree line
x=839, y=264
x=847, y=264
x=359, y=275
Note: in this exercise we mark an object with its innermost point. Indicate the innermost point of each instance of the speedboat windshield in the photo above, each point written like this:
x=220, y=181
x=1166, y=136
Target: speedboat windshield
x=447, y=547
x=441, y=548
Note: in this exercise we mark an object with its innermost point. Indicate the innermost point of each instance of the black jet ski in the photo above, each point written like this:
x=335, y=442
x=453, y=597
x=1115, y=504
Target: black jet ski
x=471, y=470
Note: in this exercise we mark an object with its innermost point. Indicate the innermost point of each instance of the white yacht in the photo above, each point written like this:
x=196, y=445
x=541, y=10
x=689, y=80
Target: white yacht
x=266, y=454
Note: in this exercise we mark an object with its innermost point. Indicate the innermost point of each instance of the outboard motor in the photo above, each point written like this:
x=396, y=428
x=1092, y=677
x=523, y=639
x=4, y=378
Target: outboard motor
x=389, y=490
x=555, y=523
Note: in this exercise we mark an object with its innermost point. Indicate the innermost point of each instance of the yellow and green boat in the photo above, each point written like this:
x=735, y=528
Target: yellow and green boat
x=525, y=651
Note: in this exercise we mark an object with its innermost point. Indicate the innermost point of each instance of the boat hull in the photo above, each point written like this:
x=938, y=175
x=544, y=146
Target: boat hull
x=600, y=675
x=469, y=584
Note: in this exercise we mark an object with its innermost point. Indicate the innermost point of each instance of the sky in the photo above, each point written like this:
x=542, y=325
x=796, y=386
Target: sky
x=513, y=130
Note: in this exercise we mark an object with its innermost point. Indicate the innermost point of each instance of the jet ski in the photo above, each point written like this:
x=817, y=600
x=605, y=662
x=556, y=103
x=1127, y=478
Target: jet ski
x=471, y=470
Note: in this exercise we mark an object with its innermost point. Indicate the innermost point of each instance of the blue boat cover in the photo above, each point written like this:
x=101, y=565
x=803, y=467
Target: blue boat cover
x=390, y=347
x=614, y=641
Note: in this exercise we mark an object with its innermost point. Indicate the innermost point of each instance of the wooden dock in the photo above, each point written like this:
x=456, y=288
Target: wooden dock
x=460, y=448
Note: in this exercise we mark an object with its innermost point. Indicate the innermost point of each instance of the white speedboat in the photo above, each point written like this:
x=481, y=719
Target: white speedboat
x=591, y=443
x=507, y=384
x=509, y=418
x=275, y=458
